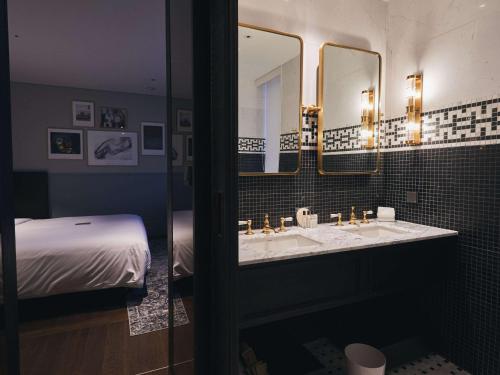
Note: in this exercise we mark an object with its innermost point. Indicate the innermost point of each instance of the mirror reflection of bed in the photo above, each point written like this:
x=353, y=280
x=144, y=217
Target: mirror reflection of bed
x=183, y=246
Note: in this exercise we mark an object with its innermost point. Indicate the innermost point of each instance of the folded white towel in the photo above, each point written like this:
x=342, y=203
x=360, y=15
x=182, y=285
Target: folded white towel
x=386, y=214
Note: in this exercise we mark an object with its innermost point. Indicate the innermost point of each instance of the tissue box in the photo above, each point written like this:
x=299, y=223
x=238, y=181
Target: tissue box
x=386, y=214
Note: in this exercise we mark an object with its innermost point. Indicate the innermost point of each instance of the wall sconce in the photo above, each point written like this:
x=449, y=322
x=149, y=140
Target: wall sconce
x=367, y=119
x=414, y=109
x=310, y=109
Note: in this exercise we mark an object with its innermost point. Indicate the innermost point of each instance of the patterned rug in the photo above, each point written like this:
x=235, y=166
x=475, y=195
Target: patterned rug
x=150, y=313
x=334, y=362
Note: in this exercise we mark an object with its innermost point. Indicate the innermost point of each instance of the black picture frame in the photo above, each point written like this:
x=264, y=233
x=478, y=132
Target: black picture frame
x=153, y=139
x=113, y=118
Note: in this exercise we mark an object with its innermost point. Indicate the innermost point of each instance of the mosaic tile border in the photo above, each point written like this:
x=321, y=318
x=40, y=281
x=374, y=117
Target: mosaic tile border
x=471, y=124
x=289, y=142
x=310, y=132
x=342, y=139
x=251, y=145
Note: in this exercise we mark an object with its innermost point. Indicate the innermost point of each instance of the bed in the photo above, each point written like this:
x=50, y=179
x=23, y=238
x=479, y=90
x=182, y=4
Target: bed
x=183, y=244
x=80, y=254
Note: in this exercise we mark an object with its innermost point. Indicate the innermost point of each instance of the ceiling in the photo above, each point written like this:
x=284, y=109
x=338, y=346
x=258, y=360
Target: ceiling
x=115, y=45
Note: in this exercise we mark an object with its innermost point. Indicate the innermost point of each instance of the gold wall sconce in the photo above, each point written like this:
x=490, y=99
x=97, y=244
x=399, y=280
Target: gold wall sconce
x=414, y=109
x=367, y=119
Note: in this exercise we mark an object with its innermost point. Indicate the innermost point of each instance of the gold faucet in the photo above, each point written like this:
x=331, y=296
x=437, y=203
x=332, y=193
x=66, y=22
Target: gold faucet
x=339, y=220
x=365, y=218
x=248, y=223
x=266, y=229
x=282, y=225
x=249, y=228
x=352, y=220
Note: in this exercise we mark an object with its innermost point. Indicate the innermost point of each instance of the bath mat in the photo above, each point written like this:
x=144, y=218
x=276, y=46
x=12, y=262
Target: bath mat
x=150, y=313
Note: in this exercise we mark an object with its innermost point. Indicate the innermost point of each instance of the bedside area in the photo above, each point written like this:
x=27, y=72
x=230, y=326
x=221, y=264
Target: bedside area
x=301, y=271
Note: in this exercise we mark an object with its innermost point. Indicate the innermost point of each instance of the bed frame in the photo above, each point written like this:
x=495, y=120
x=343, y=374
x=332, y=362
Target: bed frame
x=31, y=194
x=31, y=200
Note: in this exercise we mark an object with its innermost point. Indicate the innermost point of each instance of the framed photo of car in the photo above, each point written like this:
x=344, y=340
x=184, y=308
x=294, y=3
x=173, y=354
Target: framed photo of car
x=112, y=148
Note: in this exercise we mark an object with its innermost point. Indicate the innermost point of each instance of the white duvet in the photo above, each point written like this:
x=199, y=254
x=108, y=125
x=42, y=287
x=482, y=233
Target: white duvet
x=183, y=244
x=76, y=254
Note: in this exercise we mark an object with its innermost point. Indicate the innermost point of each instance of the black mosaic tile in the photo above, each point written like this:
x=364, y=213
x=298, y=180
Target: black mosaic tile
x=458, y=189
x=283, y=195
x=251, y=162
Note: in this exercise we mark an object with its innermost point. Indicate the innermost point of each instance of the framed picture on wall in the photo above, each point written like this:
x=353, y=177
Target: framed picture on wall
x=65, y=144
x=114, y=118
x=153, y=138
x=83, y=114
x=177, y=150
x=189, y=149
x=112, y=148
x=184, y=121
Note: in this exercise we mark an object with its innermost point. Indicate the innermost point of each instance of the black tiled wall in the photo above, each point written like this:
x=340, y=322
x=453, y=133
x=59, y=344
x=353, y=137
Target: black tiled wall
x=251, y=162
x=289, y=161
x=255, y=162
x=283, y=195
x=458, y=188
x=350, y=162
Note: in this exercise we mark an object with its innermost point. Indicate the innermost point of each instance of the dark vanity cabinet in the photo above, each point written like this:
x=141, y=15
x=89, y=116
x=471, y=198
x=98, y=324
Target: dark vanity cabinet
x=281, y=289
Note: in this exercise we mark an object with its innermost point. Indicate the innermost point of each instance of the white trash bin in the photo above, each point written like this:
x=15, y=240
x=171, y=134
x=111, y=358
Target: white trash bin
x=364, y=359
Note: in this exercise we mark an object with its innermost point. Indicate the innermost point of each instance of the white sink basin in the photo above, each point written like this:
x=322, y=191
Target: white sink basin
x=280, y=242
x=374, y=230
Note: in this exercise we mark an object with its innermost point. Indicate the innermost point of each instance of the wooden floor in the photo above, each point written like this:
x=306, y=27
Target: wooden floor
x=99, y=343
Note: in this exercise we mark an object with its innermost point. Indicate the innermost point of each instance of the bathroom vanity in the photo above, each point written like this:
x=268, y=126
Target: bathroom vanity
x=301, y=271
x=307, y=270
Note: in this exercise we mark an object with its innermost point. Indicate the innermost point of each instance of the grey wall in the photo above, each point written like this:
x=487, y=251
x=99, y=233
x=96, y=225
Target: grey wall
x=144, y=194
x=35, y=108
x=78, y=189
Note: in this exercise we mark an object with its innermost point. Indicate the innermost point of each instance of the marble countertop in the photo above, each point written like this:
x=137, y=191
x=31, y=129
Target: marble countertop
x=328, y=238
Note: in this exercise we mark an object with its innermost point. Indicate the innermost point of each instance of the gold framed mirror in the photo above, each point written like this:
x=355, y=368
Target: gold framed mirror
x=349, y=89
x=270, y=65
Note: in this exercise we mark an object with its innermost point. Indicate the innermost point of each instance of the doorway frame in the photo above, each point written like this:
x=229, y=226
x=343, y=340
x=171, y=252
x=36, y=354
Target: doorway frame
x=215, y=89
x=7, y=226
